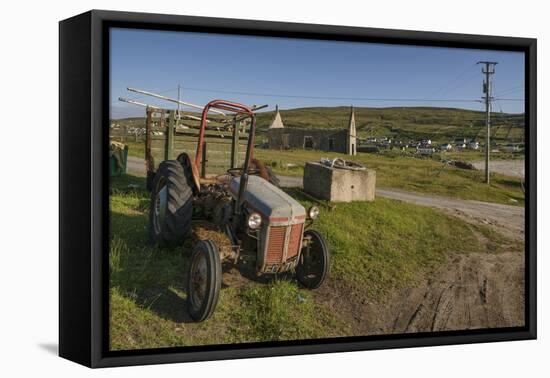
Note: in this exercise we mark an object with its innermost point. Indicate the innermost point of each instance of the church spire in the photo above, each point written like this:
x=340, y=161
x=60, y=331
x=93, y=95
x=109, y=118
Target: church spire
x=277, y=122
x=352, y=134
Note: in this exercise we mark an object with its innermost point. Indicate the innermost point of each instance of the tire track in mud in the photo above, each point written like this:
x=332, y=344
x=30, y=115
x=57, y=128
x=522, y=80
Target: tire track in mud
x=472, y=291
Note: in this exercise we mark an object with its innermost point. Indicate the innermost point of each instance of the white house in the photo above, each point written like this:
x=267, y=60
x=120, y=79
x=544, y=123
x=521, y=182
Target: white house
x=460, y=146
x=460, y=141
x=446, y=147
x=473, y=145
x=511, y=147
x=424, y=150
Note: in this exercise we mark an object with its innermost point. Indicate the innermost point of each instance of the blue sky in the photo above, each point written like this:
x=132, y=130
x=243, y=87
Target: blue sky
x=265, y=70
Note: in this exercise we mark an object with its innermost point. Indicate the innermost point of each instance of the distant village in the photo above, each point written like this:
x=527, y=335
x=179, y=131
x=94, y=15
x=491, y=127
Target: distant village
x=347, y=141
x=343, y=140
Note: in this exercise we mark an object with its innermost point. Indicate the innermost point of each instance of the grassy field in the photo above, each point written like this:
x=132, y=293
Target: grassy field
x=400, y=243
x=401, y=171
x=394, y=170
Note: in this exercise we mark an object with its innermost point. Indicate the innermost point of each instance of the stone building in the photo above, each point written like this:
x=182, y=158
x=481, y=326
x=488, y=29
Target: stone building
x=336, y=140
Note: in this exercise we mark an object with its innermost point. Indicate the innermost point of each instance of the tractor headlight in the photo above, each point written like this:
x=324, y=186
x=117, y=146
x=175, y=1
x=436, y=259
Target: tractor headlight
x=313, y=212
x=254, y=221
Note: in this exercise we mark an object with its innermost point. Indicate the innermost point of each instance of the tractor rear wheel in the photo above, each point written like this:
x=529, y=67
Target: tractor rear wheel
x=171, y=207
x=314, y=263
x=204, y=280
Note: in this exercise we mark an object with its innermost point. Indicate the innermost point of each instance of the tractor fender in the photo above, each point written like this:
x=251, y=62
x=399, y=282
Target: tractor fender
x=265, y=172
x=189, y=168
x=262, y=170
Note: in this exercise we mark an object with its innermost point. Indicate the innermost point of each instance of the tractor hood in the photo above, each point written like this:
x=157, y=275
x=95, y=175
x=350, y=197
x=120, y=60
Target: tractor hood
x=271, y=202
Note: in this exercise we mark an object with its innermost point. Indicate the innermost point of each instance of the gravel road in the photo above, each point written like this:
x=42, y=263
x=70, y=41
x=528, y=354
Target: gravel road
x=135, y=166
x=515, y=168
x=507, y=219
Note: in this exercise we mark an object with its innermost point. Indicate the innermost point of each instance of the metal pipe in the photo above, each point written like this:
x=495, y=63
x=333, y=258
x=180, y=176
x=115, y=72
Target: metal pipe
x=203, y=162
x=156, y=107
x=171, y=99
x=137, y=103
x=246, y=115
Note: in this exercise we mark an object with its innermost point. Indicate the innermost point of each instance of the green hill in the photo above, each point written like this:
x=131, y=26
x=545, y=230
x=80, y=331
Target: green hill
x=403, y=123
x=441, y=124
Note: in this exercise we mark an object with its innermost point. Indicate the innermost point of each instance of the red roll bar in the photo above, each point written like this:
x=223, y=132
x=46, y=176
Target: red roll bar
x=223, y=105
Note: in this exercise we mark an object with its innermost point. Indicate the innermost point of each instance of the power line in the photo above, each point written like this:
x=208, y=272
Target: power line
x=500, y=115
x=510, y=90
x=452, y=82
x=260, y=94
x=459, y=85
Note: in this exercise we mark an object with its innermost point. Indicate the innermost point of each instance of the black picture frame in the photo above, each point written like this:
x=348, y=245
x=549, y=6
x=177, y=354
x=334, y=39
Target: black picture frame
x=83, y=181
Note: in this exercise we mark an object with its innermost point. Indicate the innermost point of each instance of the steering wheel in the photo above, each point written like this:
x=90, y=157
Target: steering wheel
x=236, y=172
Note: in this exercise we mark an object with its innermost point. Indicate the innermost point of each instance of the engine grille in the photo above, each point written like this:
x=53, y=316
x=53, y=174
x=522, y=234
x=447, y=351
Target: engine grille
x=276, y=243
x=295, y=240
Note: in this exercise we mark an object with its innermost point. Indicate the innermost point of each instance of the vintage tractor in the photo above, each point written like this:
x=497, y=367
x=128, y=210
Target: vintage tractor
x=268, y=229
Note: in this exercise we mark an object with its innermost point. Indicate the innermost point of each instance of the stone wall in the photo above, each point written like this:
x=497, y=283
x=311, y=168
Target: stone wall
x=290, y=138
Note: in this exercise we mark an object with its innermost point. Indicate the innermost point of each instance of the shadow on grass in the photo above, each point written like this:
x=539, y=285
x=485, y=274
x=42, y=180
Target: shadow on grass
x=156, y=279
x=153, y=278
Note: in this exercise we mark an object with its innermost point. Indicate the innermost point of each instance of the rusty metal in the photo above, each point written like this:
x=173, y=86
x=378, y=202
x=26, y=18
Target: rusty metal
x=204, y=160
x=295, y=240
x=226, y=105
x=275, y=245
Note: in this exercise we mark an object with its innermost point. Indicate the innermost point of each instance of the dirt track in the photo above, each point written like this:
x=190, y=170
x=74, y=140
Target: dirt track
x=471, y=291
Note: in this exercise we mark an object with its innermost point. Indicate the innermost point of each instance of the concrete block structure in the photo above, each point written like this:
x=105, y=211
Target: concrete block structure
x=339, y=185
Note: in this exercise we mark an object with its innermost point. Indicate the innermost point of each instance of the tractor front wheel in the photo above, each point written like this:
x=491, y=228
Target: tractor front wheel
x=313, y=266
x=204, y=280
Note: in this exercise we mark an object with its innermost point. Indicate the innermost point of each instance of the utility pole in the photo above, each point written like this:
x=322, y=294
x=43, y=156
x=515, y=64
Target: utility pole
x=488, y=70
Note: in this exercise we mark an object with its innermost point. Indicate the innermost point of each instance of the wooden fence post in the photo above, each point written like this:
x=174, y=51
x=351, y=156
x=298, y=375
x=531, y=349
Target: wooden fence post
x=171, y=121
x=235, y=144
x=149, y=162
